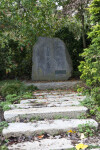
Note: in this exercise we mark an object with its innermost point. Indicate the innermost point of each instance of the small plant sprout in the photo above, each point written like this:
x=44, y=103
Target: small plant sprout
x=88, y=129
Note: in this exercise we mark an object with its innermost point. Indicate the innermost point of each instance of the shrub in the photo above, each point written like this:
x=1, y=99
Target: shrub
x=15, y=87
x=13, y=91
x=90, y=67
x=15, y=60
x=31, y=88
x=2, y=125
x=12, y=88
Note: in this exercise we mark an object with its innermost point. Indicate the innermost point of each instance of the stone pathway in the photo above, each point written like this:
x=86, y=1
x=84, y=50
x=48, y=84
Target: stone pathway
x=50, y=113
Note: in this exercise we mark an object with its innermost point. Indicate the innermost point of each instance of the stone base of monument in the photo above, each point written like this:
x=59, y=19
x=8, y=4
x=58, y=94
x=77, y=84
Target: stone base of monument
x=55, y=85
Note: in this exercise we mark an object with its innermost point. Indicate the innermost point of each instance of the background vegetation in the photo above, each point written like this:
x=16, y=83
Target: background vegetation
x=22, y=22
x=90, y=67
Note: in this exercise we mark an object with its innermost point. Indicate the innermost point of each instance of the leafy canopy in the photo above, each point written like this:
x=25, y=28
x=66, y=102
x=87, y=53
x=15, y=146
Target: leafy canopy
x=25, y=20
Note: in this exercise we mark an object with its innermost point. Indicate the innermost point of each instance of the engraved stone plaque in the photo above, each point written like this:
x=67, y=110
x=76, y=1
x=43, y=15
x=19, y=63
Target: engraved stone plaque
x=51, y=60
x=60, y=72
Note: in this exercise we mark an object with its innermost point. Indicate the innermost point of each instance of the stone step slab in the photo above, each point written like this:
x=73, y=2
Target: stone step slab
x=45, y=113
x=20, y=106
x=56, y=100
x=56, y=93
x=66, y=95
x=51, y=102
x=45, y=144
x=49, y=126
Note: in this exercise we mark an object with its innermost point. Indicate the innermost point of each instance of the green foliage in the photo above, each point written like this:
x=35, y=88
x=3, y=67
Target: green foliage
x=13, y=91
x=95, y=93
x=95, y=11
x=5, y=106
x=88, y=102
x=60, y=117
x=37, y=118
x=27, y=95
x=90, y=67
x=10, y=99
x=31, y=88
x=29, y=19
x=93, y=147
x=15, y=88
x=3, y=147
x=21, y=22
x=12, y=88
x=15, y=60
x=3, y=124
x=83, y=116
x=88, y=129
x=94, y=109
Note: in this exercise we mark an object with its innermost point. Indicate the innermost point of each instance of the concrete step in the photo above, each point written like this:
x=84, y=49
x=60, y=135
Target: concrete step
x=20, y=106
x=58, y=93
x=57, y=96
x=67, y=96
x=45, y=144
x=45, y=113
x=60, y=102
x=50, y=101
x=49, y=126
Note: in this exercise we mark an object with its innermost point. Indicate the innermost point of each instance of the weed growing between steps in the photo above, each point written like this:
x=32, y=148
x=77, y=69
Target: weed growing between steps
x=26, y=119
x=93, y=147
x=88, y=129
x=13, y=91
x=3, y=124
x=94, y=109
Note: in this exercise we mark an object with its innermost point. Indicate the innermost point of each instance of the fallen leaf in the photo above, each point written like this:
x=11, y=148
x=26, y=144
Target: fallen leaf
x=70, y=131
x=81, y=146
x=82, y=136
x=17, y=119
x=40, y=137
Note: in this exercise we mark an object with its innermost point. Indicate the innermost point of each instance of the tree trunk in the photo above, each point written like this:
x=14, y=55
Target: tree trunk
x=83, y=32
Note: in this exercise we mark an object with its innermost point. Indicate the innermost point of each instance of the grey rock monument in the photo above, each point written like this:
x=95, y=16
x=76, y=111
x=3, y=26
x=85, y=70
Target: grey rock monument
x=51, y=60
